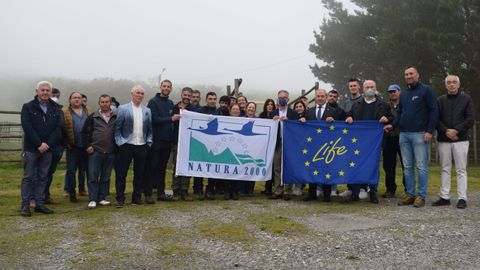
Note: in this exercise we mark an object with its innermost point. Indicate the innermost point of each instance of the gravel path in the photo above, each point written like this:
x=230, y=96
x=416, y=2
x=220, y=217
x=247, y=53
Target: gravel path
x=364, y=236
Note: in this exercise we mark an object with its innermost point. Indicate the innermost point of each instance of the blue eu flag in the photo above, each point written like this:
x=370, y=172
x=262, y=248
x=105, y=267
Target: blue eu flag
x=331, y=153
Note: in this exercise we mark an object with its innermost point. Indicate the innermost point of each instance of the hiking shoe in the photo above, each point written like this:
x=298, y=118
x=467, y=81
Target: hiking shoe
x=43, y=209
x=82, y=193
x=441, y=202
x=461, y=204
x=407, y=200
x=419, y=202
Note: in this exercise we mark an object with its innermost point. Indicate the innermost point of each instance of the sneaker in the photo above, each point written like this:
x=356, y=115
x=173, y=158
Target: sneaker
x=104, y=202
x=419, y=202
x=333, y=193
x=297, y=191
x=461, y=204
x=92, y=204
x=346, y=193
x=441, y=202
x=406, y=200
x=363, y=194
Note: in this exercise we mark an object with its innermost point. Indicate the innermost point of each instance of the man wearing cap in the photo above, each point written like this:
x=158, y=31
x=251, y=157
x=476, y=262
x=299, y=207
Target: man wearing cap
x=454, y=121
x=391, y=146
x=417, y=116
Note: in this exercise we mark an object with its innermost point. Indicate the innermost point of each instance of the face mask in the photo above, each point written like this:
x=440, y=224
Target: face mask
x=282, y=101
x=370, y=92
x=54, y=99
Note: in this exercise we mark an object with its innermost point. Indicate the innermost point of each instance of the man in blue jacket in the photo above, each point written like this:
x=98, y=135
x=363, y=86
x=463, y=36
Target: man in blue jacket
x=133, y=135
x=40, y=120
x=163, y=117
x=417, y=117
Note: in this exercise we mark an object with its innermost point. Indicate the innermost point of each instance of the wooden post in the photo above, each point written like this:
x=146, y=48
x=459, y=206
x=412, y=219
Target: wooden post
x=229, y=91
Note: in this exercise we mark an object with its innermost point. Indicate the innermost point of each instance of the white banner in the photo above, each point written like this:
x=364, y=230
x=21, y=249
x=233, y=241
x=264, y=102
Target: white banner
x=224, y=147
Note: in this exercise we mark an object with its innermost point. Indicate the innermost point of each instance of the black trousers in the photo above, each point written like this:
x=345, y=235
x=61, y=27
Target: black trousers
x=127, y=153
x=312, y=190
x=391, y=148
x=157, y=166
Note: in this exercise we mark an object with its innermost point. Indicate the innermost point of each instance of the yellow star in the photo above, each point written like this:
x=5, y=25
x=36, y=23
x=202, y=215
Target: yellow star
x=305, y=151
x=319, y=131
x=341, y=173
x=315, y=172
x=356, y=152
x=327, y=176
x=354, y=140
x=345, y=131
x=352, y=164
x=307, y=164
x=332, y=127
x=309, y=139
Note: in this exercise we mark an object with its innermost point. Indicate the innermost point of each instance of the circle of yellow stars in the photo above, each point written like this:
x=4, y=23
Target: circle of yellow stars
x=340, y=173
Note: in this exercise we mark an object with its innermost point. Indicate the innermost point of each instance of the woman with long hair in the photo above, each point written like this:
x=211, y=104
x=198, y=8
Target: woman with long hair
x=301, y=110
x=267, y=113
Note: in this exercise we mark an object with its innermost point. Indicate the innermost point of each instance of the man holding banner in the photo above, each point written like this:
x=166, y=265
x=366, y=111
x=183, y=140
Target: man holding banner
x=370, y=108
x=282, y=113
x=319, y=152
x=321, y=111
x=222, y=147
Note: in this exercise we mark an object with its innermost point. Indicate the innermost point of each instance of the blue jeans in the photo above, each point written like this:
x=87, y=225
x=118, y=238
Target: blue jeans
x=414, y=151
x=35, y=166
x=99, y=170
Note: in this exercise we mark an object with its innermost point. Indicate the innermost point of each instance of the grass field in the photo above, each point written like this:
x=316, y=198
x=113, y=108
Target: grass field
x=87, y=239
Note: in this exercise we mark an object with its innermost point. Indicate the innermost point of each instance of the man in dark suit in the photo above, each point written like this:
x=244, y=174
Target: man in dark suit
x=322, y=111
x=282, y=113
x=370, y=108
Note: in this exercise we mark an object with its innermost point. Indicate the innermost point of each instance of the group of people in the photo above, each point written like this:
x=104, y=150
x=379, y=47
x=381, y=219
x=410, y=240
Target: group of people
x=111, y=137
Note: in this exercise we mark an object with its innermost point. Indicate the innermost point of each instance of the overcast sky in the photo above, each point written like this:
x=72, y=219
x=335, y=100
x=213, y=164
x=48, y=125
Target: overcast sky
x=198, y=42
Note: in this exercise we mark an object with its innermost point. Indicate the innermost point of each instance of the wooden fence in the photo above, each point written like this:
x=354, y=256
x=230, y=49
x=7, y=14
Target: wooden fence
x=11, y=139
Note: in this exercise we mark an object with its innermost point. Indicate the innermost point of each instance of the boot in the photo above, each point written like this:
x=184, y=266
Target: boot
x=176, y=195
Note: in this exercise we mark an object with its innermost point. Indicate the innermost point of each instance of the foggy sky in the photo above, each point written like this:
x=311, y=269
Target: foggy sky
x=198, y=42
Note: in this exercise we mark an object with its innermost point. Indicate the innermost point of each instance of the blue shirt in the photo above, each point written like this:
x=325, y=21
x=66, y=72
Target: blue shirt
x=78, y=122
